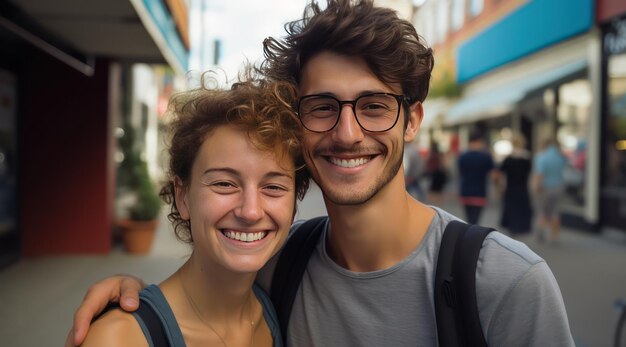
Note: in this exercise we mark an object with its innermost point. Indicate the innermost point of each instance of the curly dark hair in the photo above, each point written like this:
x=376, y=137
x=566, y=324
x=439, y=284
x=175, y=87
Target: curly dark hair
x=257, y=106
x=389, y=45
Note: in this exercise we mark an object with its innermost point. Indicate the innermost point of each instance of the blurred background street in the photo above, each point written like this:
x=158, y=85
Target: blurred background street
x=84, y=89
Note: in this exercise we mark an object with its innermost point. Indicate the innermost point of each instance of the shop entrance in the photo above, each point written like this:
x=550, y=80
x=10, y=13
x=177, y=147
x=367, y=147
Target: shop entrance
x=9, y=240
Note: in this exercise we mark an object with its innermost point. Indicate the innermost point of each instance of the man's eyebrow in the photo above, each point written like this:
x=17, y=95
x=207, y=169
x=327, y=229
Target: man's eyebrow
x=361, y=93
x=374, y=91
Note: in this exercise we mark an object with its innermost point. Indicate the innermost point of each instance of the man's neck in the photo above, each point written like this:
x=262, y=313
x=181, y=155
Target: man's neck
x=379, y=233
x=476, y=146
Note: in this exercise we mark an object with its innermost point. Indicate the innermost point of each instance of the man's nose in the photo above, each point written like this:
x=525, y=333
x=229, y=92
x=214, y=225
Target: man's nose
x=250, y=209
x=348, y=131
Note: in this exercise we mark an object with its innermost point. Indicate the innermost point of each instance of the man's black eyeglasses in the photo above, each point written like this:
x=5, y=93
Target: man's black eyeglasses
x=376, y=112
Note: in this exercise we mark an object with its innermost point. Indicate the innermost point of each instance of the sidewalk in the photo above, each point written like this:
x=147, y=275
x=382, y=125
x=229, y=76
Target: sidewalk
x=40, y=295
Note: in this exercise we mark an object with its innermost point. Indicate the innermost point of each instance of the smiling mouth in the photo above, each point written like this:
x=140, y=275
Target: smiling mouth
x=349, y=163
x=245, y=237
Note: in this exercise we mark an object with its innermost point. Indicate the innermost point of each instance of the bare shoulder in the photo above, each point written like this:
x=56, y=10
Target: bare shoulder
x=115, y=328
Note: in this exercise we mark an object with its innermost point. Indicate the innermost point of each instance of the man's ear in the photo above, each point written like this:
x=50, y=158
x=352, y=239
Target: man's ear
x=416, y=114
x=182, y=204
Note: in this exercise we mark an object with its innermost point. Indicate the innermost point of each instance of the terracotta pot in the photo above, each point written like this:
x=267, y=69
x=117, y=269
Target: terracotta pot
x=138, y=236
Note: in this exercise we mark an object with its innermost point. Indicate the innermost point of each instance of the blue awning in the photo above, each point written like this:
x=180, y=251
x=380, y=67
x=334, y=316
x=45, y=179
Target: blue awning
x=159, y=23
x=502, y=100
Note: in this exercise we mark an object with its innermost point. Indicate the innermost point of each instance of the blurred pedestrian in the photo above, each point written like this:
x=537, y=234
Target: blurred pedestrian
x=548, y=187
x=414, y=169
x=475, y=166
x=436, y=171
x=513, y=176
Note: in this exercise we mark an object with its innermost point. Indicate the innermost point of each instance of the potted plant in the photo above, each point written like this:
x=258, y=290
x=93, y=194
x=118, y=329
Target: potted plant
x=139, y=227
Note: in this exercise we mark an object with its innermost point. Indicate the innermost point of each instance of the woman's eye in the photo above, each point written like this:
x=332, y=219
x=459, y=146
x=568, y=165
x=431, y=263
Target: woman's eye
x=223, y=185
x=276, y=189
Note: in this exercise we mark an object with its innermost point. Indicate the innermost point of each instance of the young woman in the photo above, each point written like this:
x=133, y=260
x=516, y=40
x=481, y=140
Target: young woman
x=235, y=173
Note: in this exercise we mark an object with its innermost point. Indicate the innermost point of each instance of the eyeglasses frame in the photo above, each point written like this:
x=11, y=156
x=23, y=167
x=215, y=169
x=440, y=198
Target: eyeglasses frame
x=399, y=98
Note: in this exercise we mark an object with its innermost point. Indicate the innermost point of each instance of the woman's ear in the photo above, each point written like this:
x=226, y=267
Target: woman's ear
x=182, y=204
x=416, y=114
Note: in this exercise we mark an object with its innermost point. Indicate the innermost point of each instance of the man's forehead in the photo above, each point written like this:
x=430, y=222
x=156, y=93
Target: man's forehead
x=348, y=90
x=337, y=75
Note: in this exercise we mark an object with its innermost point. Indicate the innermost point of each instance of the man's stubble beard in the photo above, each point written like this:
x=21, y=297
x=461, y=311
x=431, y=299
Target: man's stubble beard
x=358, y=198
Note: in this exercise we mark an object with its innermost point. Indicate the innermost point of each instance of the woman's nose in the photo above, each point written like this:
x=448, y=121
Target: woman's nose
x=250, y=208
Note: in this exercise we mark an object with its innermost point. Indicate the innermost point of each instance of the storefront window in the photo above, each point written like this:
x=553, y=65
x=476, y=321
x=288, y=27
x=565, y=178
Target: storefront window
x=613, y=193
x=443, y=11
x=573, y=112
x=458, y=14
x=501, y=142
x=476, y=7
x=615, y=144
x=427, y=22
x=8, y=163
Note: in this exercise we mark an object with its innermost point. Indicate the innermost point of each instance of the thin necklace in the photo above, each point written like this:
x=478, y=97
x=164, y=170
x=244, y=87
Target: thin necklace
x=196, y=310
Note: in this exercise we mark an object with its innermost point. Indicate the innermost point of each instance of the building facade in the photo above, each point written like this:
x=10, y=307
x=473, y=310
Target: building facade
x=611, y=19
x=538, y=67
x=64, y=68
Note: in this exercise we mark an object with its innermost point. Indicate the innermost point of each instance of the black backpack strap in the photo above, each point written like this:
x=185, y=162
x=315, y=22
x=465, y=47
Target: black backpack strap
x=150, y=320
x=458, y=322
x=290, y=268
x=153, y=325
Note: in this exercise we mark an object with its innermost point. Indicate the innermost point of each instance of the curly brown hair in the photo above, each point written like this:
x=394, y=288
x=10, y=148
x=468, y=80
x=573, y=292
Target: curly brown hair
x=256, y=106
x=389, y=45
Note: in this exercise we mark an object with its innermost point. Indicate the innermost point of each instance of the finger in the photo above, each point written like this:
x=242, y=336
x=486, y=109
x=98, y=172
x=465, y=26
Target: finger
x=96, y=299
x=130, y=287
x=69, y=341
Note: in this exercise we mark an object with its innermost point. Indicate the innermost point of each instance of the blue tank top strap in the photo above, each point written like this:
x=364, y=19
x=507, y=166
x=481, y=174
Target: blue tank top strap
x=152, y=295
x=271, y=318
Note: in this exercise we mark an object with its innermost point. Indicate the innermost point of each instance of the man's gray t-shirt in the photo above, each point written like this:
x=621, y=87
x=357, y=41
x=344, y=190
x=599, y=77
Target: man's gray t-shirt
x=519, y=301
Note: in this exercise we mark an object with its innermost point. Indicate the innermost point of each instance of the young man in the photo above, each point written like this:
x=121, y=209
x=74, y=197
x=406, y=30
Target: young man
x=362, y=74
x=475, y=166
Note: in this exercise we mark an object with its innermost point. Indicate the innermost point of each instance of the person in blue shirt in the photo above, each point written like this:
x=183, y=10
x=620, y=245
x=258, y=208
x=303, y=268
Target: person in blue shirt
x=548, y=187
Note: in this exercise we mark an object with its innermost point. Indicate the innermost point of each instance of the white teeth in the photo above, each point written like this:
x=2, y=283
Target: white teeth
x=349, y=163
x=245, y=237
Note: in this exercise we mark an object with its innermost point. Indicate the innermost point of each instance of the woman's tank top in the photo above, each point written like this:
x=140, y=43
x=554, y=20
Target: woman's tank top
x=153, y=296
